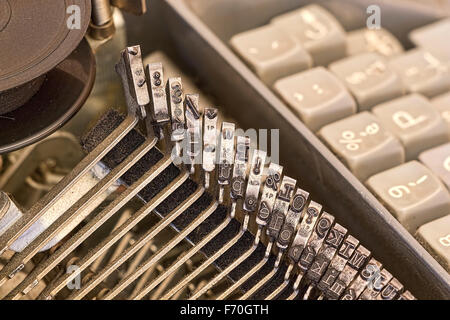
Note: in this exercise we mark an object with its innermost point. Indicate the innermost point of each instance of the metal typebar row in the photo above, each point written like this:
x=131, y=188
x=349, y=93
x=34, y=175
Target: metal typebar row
x=306, y=254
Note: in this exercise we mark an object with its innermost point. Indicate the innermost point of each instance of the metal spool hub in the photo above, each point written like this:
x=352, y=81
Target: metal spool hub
x=43, y=55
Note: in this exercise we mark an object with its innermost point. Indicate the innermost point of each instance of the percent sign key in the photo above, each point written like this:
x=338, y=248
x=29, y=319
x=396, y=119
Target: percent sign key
x=352, y=140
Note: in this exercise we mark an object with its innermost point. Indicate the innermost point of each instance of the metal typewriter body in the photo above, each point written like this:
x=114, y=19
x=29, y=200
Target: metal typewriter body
x=322, y=173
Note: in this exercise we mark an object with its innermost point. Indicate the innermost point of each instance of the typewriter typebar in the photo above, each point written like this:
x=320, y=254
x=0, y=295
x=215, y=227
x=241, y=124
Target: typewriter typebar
x=210, y=219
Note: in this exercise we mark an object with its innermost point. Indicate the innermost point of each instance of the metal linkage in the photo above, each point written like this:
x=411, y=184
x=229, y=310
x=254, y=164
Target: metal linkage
x=175, y=100
x=304, y=257
x=226, y=160
x=120, y=232
x=249, y=206
x=129, y=66
x=337, y=265
x=332, y=244
x=123, y=283
x=304, y=231
x=277, y=218
x=268, y=197
x=193, y=130
x=19, y=259
x=351, y=269
x=180, y=261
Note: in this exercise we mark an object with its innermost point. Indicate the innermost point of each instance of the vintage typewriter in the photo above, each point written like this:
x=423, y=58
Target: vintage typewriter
x=212, y=149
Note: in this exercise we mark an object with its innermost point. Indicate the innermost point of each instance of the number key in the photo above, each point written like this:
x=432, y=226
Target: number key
x=368, y=78
x=412, y=194
x=271, y=53
x=363, y=144
x=373, y=40
x=317, y=96
x=423, y=72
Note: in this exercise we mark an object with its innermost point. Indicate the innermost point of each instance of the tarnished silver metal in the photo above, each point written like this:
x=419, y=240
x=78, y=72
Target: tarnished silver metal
x=274, y=226
x=251, y=198
x=237, y=189
x=229, y=268
x=329, y=260
x=225, y=157
x=368, y=273
x=32, y=215
x=101, y=12
x=280, y=207
x=25, y=255
x=159, y=109
x=102, y=25
x=175, y=98
x=261, y=264
x=185, y=281
x=359, y=258
x=375, y=286
x=311, y=250
x=109, y=241
x=227, y=141
x=137, y=7
x=269, y=194
x=314, y=244
x=148, y=263
x=333, y=241
x=257, y=168
x=338, y=264
x=209, y=142
x=270, y=190
x=61, y=146
x=293, y=217
x=391, y=291
x=182, y=259
x=194, y=130
x=254, y=181
x=131, y=70
x=303, y=234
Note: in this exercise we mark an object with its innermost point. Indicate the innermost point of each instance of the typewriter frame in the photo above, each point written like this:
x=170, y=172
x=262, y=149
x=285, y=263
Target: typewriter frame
x=200, y=48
